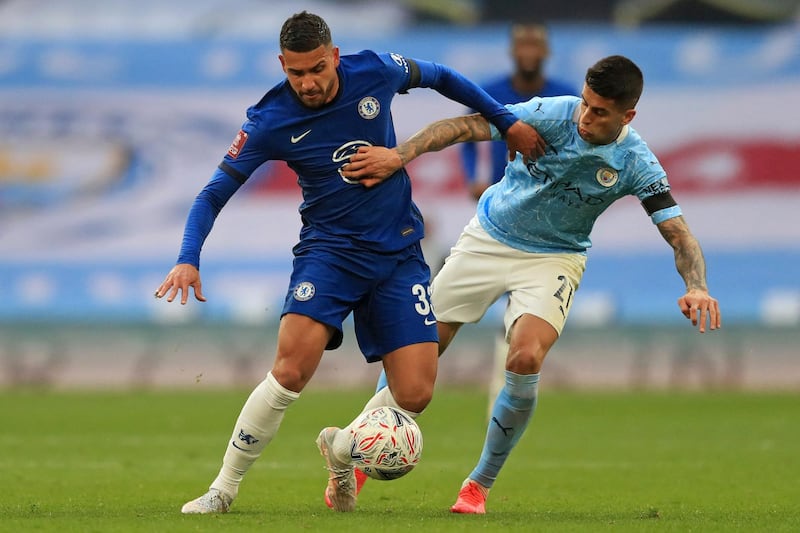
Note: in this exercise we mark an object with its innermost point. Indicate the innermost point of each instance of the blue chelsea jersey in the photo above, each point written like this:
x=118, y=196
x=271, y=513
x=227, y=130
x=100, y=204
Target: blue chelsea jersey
x=550, y=205
x=315, y=143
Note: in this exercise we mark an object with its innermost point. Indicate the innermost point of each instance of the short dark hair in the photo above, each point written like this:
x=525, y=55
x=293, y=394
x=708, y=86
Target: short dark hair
x=616, y=78
x=303, y=32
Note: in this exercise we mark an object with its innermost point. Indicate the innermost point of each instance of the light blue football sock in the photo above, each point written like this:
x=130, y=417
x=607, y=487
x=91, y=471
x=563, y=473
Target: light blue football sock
x=511, y=413
x=381, y=381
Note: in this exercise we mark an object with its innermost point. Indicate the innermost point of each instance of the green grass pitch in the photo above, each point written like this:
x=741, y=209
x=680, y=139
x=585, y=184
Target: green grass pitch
x=102, y=461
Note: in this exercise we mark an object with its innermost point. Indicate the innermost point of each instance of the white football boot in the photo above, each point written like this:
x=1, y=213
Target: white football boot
x=341, y=489
x=213, y=501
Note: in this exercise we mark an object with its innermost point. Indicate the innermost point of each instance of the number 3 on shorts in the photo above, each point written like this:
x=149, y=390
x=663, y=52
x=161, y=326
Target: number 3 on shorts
x=423, y=294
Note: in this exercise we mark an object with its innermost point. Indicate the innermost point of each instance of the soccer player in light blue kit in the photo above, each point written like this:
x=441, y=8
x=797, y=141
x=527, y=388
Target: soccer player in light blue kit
x=531, y=234
x=529, y=50
x=359, y=248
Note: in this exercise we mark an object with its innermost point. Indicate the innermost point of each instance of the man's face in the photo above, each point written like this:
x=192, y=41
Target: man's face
x=529, y=50
x=312, y=75
x=601, y=120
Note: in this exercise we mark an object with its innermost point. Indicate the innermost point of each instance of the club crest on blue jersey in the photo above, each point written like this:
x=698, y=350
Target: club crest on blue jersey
x=369, y=107
x=607, y=177
x=343, y=153
x=304, y=291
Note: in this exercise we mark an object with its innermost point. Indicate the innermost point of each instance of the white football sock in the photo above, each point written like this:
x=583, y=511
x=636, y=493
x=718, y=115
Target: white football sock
x=258, y=422
x=384, y=397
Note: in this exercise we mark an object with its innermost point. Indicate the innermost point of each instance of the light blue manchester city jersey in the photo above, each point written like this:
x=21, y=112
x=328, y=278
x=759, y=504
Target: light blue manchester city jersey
x=551, y=205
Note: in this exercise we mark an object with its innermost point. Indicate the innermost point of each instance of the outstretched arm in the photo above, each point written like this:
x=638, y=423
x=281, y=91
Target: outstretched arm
x=204, y=211
x=519, y=136
x=442, y=134
x=696, y=305
x=373, y=164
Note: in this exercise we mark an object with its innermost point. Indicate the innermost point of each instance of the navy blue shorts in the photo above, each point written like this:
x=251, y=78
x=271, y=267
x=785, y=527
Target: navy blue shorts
x=389, y=295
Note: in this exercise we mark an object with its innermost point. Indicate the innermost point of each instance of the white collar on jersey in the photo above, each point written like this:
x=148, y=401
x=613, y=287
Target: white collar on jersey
x=622, y=134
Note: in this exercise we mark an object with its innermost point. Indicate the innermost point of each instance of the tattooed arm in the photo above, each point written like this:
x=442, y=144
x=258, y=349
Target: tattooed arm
x=372, y=164
x=444, y=133
x=696, y=305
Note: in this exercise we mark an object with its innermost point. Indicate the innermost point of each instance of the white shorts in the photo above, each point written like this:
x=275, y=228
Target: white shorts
x=479, y=270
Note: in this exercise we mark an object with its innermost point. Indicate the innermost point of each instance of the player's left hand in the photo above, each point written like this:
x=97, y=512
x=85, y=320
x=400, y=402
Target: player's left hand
x=522, y=138
x=699, y=307
x=371, y=165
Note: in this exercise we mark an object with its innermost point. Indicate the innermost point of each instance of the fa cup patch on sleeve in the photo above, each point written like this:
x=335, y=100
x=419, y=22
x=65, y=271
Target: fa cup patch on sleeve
x=237, y=144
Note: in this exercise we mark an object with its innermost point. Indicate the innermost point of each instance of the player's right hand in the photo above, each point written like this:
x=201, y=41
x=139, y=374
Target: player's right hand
x=179, y=279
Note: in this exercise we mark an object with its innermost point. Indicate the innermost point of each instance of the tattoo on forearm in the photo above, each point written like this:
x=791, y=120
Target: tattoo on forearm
x=689, y=258
x=442, y=134
x=691, y=265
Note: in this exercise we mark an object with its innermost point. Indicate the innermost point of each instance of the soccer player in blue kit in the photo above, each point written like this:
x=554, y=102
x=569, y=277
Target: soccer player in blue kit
x=529, y=51
x=531, y=234
x=359, y=248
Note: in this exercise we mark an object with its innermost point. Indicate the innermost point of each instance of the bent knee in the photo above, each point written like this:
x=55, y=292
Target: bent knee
x=526, y=359
x=291, y=377
x=414, y=399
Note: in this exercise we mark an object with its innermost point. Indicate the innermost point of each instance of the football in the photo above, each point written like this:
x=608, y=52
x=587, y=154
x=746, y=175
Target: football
x=387, y=444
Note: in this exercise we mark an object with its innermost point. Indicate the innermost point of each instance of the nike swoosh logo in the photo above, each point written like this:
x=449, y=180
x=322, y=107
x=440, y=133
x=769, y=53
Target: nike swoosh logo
x=429, y=322
x=299, y=137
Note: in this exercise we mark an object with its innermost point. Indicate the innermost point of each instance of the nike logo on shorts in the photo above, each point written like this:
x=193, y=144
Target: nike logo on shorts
x=430, y=322
x=299, y=137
